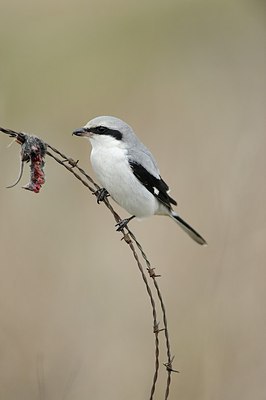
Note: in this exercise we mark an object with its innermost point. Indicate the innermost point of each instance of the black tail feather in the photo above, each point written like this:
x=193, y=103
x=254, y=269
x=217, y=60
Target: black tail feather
x=188, y=229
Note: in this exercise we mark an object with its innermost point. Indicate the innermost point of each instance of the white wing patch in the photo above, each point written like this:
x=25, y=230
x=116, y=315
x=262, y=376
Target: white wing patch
x=156, y=191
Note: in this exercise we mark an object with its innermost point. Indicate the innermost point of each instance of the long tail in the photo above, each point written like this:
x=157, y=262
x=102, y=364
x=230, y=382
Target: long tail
x=188, y=229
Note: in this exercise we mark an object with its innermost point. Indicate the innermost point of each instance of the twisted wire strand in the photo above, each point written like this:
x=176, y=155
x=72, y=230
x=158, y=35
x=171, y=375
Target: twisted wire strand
x=70, y=165
x=152, y=274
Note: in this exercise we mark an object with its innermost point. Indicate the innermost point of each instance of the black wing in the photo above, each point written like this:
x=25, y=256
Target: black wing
x=156, y=186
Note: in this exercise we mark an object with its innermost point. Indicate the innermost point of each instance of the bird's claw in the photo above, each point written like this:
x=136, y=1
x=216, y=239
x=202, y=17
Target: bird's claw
x=101, y=194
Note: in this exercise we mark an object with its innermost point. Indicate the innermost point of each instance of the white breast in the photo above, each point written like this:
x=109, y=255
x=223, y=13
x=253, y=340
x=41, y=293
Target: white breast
x=111, y=166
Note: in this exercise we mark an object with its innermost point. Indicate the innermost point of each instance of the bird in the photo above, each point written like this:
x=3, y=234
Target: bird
x=128, y=172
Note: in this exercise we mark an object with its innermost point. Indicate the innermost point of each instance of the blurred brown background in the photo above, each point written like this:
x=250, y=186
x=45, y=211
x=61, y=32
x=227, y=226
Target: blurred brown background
x=74, y=314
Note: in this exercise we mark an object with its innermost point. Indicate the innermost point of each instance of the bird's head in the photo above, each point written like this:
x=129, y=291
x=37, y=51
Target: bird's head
x=106, y=131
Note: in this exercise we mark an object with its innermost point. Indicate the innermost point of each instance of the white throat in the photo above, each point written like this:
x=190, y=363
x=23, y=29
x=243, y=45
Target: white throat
x=104, y=142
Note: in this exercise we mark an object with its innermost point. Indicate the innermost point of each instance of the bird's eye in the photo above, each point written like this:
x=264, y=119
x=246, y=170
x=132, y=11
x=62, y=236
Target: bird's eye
x=101, y=129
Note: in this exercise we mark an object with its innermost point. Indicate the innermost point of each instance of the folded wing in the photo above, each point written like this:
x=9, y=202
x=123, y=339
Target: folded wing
x=154, y=185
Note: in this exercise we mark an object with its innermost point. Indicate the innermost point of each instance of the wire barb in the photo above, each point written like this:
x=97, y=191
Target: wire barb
x=72, y=162
x=168, y=366
x=151, y=272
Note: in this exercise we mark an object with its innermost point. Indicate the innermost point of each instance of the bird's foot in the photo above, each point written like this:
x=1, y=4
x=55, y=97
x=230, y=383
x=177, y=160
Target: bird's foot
x=101, y=194
x=123, y=223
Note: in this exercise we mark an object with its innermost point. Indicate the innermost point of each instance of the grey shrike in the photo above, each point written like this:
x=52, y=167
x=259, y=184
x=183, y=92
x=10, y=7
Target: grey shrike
x=128, y=172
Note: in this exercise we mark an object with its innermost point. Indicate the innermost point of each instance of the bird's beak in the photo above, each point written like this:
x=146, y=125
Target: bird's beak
x=80, y=132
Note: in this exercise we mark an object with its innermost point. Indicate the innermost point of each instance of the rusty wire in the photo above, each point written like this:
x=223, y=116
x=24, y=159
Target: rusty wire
x=70, y=164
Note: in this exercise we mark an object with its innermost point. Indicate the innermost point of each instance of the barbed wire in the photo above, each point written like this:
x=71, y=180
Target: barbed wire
x=129, y=238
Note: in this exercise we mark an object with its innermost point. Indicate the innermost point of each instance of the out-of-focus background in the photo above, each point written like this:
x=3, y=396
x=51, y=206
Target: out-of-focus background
x=75, y=320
